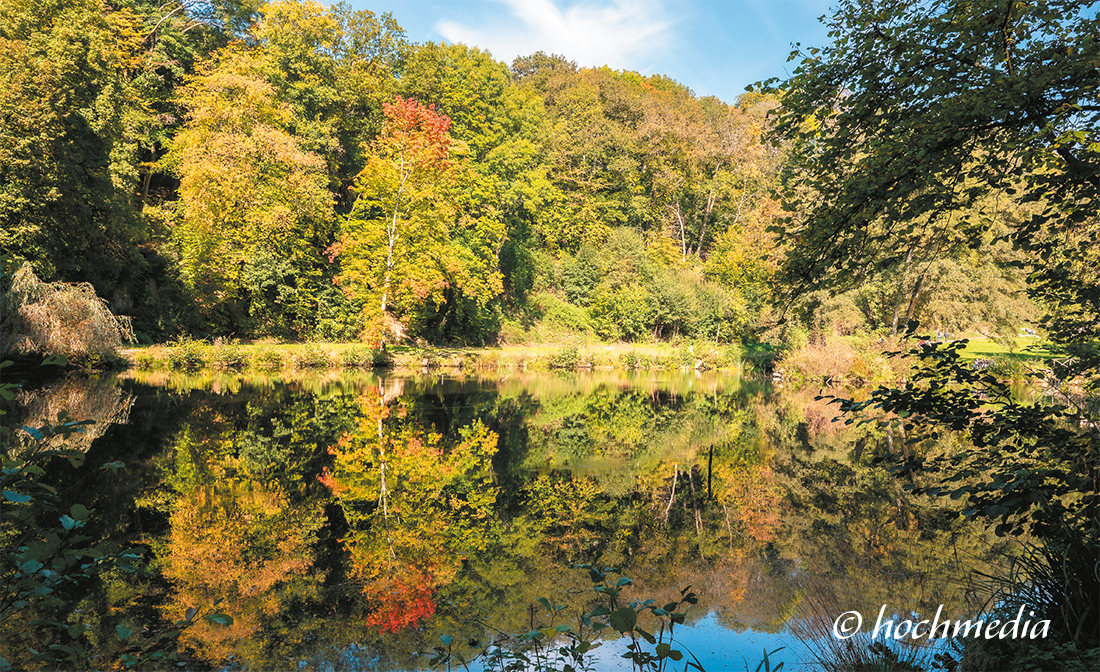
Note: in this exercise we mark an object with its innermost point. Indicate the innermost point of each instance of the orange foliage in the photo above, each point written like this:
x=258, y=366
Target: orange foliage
x=403, y=601
x=755, y=498
x=236, y=545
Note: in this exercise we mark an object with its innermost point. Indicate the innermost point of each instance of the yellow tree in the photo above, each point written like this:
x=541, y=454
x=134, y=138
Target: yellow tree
x=420, y=228
x=415, y=505
x=248, y=191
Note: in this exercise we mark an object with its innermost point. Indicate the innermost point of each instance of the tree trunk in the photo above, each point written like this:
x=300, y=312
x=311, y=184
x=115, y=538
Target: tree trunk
x=913, y=300
x=900, y=292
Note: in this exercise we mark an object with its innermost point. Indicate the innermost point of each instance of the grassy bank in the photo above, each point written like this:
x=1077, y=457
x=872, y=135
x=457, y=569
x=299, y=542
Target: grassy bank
x=865, y=359
x=189, y=355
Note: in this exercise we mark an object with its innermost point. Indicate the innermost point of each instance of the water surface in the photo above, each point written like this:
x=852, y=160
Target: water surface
x=356, y=520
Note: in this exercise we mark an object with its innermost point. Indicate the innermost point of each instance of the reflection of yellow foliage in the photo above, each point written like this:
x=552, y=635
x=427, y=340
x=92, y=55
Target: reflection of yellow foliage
x=415, y=504
x=236, y=543
x=567, y=511
x=753, y=500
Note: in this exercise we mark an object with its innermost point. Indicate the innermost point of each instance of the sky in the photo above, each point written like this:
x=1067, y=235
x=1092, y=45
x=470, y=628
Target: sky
x=715, y=47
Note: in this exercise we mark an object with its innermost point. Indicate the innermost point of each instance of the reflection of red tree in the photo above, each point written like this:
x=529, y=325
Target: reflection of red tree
x=329, y=481
x=402, y=601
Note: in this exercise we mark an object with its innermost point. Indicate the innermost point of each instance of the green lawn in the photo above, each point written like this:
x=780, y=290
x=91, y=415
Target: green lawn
x=1027, y=347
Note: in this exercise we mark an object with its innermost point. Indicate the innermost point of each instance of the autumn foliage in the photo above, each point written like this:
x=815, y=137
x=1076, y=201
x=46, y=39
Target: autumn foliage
x=415, y=134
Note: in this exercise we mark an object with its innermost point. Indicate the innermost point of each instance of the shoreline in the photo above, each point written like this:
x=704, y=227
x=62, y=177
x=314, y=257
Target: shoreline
x=270, y=357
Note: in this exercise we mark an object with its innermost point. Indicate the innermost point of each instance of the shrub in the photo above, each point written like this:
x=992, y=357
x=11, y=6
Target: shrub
x=565, y=358
x=186, y=354
x=227, y=355
x=1008, y=367
x=357, y=355
x=310, y=357
x=563, y=315
x=59, y=318
x=625, y=313
x=581, y=275
x=268, y=358
x=630, y=360
x=150, y=358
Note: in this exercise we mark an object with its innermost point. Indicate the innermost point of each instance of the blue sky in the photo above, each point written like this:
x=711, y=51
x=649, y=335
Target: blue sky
x=716, y=47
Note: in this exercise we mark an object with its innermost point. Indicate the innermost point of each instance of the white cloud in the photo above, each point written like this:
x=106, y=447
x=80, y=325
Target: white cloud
x=624, y=34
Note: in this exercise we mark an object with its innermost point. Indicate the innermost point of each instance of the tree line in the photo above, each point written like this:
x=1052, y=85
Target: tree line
x=293, y=170
x=298, y=171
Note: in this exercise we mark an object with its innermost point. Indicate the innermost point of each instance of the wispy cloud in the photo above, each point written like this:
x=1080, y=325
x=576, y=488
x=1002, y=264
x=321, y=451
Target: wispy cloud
x=619, y=33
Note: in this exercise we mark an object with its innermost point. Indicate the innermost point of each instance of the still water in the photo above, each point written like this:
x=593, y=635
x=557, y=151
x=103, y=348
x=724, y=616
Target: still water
x=358, y=520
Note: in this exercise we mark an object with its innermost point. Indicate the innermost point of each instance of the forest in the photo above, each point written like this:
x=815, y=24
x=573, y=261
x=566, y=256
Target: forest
x=289, y=172
x=302, y=172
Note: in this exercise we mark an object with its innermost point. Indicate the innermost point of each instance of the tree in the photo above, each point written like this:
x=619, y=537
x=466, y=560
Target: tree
x=917, y=112
x=68, y=117
x=249, y=196
x=417, y=231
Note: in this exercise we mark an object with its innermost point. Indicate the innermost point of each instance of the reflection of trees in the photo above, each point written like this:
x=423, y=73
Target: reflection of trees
x=240, y=543
x=415, y=504
x=439, y=521
x=244, y=512
x=105, y=403
x=860, y=541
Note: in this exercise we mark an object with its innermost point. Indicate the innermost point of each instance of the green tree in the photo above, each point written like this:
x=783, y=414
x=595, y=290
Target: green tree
x=900, y=128
x=917, y=111
x=68, y=122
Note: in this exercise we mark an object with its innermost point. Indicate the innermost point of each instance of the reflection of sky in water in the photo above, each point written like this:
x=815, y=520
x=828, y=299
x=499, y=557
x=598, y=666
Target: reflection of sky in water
x=717, y=648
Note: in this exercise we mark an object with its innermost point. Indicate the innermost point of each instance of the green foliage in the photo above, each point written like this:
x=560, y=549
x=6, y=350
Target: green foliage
x=1028, y=471
x=357, y=355
x=421, y=241
x=187, y=354
x=68, y=120
x=566, y=358
x=310, y=356
x=47, y=550
x=624, y=313
x=560, y=314
x=268, y=358
x=926, y=173
x=900, y=157
x=226, y=355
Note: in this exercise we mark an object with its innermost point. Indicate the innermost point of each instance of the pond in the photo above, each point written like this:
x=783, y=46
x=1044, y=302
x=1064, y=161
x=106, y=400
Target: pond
x=354, y=520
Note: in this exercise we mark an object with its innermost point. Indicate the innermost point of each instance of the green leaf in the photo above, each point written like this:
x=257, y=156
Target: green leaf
x=16, y=497
x=623, y=619
x=123, y=632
